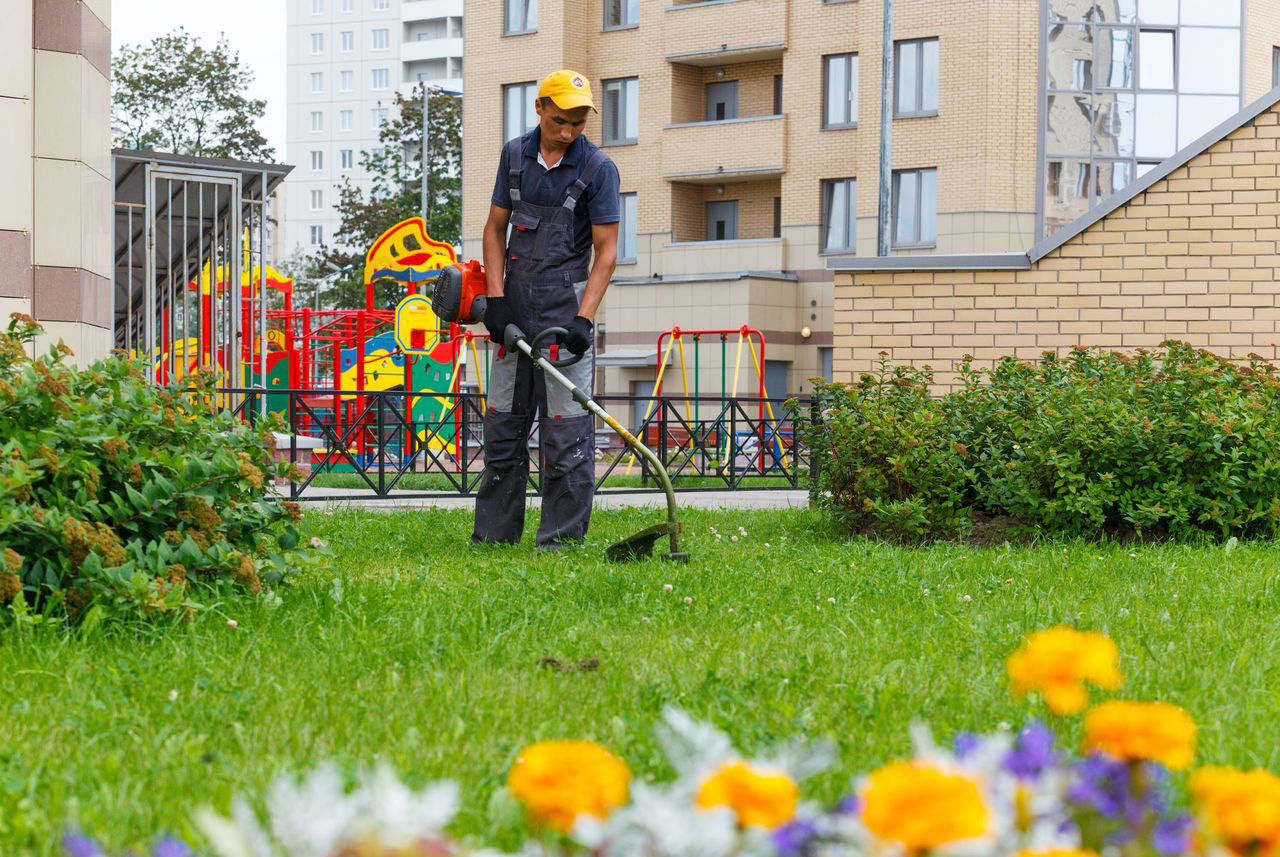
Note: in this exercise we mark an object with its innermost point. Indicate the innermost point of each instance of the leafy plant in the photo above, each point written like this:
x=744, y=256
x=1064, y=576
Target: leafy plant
x=1175, y=441
x=121, y=499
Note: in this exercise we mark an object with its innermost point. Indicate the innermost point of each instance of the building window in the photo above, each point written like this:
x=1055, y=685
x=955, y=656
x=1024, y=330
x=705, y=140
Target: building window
x=347, y=41
x=722, y=220
x=317, y=81
x=317, y=121
x=627, y=228
x=346, y=158
x=915, y=65
x=381, y=78
x=777, y=95
x=839, y=215
x=317, y=159
x=915, y=208
x=346, y=80
x=722, y=100
x=521, y=16
x=381, y=4
x=1155, y=59
x=824, y=362
x=379, y=116
x=777, y=217
x=381, y=40
x=840, y=91
x=1275, y=66
x=317, y=7
x=621, y=110
x=621, y=13
x=345, y=120
x=347, y=6
x=518, y=115
x=317, y=235
x=317, y=43
x=317, y=200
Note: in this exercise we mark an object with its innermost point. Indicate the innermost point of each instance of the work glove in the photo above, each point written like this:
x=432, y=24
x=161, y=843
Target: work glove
x=497, y=315
x=577, y=337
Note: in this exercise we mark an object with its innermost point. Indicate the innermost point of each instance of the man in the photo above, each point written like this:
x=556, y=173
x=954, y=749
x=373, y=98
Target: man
x=559, y=194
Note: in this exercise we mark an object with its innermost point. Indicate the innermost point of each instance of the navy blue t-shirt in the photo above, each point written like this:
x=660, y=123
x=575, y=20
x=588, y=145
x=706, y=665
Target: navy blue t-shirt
x=598, y=203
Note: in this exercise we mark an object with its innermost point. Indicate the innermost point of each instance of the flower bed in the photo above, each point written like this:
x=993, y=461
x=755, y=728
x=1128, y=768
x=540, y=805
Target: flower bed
x=1006, y=794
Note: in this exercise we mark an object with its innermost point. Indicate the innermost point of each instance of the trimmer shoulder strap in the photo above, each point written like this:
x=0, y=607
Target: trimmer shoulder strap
x=576, y=189
x=515, y=165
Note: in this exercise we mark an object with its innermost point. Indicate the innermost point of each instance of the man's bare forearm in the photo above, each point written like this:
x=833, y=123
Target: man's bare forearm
x=598, y=281
x=495, y=262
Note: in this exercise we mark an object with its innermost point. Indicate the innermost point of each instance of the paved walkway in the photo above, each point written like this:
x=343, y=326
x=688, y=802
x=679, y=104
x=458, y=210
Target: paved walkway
x=755, y=499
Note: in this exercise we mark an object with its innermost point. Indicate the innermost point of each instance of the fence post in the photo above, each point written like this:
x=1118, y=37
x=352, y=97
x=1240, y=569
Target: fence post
x=815, y=449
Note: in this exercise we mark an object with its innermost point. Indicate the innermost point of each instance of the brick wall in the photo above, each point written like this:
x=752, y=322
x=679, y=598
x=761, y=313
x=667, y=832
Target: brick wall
x=1194, y=257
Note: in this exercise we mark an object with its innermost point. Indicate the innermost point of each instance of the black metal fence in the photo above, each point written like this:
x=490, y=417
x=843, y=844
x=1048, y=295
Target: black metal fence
x=357, y=445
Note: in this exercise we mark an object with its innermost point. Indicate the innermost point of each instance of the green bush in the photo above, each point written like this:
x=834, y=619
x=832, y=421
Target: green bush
x=119, y=499
x=1175, y=441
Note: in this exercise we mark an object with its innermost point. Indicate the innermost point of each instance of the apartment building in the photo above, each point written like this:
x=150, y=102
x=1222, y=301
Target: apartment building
x=346, y=60
x=747, y=134
x=55, y=169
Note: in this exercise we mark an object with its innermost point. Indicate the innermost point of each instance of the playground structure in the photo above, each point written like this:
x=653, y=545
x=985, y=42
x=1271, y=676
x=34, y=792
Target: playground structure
x=394, y=387
x=319, y=362
x=695, y=445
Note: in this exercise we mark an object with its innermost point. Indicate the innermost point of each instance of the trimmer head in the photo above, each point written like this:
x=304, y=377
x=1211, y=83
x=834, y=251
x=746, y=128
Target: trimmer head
x=641, y=544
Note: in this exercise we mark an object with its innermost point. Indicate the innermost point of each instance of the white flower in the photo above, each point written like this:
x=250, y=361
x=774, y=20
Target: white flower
x=688, y=599
x=667, y=587
x=967, y=598
x=173, y=696
x=733, y=538
x=232, y=623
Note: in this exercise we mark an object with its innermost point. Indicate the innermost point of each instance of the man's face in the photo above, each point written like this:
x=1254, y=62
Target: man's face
x=559, y=127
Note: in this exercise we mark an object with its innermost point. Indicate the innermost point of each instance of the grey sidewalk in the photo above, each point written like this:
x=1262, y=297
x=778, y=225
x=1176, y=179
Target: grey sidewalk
x=756, y=499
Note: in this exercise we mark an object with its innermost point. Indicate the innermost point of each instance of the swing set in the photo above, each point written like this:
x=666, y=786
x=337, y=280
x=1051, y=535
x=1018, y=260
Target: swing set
x=695, y=437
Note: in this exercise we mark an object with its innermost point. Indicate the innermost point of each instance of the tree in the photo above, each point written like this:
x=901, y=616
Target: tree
x=395, y=193
x=174, y=94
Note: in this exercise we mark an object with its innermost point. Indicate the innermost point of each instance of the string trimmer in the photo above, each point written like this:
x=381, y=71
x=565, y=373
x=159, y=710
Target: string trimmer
x=458, y=297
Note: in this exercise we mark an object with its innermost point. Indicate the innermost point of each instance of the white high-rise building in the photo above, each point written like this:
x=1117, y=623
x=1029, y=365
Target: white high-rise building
x=346, y=59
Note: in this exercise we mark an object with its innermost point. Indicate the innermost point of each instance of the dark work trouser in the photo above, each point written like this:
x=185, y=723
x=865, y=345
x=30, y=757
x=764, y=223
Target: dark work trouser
x=518, y=394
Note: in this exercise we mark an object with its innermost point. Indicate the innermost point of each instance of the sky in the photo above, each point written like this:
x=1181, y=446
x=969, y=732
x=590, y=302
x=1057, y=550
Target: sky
x=255, y=28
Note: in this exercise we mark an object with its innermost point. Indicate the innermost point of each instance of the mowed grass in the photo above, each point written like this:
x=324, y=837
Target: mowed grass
x=417, y=649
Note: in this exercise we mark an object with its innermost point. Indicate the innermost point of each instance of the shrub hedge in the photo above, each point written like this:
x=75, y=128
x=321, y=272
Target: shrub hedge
x=121, y=499
x=1175, y=441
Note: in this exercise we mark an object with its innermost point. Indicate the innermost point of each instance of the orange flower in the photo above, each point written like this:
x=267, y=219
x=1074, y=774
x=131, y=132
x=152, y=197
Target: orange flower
x=922, y=807
x=1240, y=808
x=1132, y=731
x=1058, y=661
x=1059, y=852
x=558, y=781
x=760, y=798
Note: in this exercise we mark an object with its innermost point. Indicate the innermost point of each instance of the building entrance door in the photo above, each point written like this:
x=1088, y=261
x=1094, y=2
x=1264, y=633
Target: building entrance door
x=722, y=220
x=722, y=100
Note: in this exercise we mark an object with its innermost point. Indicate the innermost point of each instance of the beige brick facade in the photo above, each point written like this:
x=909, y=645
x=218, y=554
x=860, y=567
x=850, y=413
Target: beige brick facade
x=55, y=169
x=1194, y=257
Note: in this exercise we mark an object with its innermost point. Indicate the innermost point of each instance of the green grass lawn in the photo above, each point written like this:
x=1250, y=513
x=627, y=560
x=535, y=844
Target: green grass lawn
x=417, y=649
x=618, y=479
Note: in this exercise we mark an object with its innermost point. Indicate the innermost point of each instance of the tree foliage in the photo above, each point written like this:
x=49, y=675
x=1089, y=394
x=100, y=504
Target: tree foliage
x=174, y=94
x=395, y=192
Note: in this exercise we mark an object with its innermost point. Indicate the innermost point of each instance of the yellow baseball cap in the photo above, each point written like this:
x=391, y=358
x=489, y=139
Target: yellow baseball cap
x=568, y=89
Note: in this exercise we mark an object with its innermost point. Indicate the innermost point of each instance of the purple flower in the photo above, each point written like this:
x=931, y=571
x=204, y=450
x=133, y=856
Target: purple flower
x=170, y=847
x=80, y=846
x=792, y=838
x=1101, y=784
x=848, y=805
x=1032, y=752
x=1172, y=836
x=965, y=743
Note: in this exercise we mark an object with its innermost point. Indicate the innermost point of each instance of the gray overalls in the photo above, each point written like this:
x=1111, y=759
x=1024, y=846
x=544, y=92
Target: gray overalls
x=544, y=283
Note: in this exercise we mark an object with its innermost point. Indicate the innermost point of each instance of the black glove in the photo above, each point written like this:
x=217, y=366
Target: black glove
x=497, y=315
x=577, y=337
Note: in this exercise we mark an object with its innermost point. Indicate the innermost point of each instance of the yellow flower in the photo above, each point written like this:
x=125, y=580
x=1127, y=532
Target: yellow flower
x=1059, y=852
x=1133, y=731
x=558, y=781
x=760, y=798
x=922, y=807
x=1241, y=808
x=1058, y=661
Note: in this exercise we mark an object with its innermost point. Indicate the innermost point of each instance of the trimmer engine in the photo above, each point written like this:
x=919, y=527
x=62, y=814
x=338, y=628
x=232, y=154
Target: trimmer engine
x=458, y=294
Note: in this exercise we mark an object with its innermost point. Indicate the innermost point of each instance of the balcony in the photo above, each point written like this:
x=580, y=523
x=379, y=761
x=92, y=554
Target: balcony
x=730, y=150
x=430, y=49
x=425, y=10
x=717, y=32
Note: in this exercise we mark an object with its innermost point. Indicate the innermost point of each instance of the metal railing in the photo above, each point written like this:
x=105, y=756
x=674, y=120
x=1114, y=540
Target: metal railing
x=379, y=444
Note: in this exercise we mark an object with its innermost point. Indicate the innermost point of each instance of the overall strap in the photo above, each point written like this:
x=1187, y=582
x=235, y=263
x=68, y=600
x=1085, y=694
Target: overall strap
x=588, y=173
x=515, y=164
